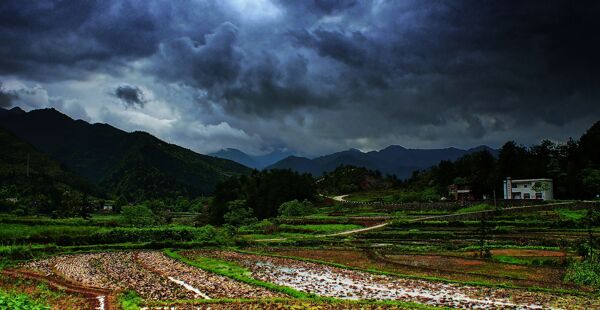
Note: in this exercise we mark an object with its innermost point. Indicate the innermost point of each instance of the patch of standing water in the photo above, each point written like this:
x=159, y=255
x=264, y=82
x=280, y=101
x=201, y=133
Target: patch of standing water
x=100, y=302
x=329, y=283
x=190, y=288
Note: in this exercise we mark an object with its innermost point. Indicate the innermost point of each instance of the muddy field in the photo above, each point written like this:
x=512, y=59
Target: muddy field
x=56, y=299
x=346, y=284
x=462, y=268
x=151, y=274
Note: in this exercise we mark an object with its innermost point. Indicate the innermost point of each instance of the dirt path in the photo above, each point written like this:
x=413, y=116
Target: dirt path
x=98, y=298
x=427, y=218
x=340, y=198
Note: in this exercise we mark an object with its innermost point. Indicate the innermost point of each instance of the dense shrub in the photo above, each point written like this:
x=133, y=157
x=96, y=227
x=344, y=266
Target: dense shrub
x=262, y=191
x=262, y=227
x=137, y=215
x=295, y=208
x=19, y=301
x=239, y=214
x=584, y=273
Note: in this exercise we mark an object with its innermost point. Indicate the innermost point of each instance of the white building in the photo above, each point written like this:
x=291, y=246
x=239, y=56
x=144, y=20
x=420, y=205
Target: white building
x=528, y=189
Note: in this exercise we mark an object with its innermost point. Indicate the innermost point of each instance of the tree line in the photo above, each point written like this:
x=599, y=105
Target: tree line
x=574, y=167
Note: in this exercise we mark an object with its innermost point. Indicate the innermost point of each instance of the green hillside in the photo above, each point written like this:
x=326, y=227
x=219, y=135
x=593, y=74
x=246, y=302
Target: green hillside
x=45, y=180
x=137, y=165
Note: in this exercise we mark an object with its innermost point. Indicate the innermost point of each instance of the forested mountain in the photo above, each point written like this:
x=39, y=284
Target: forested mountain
x=298, y=164
x=393, y=160
x=237, y=156
x=137, y=165
x=26, y=172
x=252, y=161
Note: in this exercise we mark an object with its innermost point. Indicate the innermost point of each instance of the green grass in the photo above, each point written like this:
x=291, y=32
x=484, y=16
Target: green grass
x=526, y=261
x=512, y=246
x=234, y=271
x=280, y=235
x=297, y=303
x=87, y=235
x=320, y=228
x=95, y=220
x=511, y=260
x=13, y=300
x=130, y=300
x=571, y=215
x=476, y=208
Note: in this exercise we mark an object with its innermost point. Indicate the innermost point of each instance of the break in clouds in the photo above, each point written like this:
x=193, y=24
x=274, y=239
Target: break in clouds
x=310, y=76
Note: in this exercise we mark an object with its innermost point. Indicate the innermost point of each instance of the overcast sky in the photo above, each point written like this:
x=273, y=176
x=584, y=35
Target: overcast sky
x=310, y=76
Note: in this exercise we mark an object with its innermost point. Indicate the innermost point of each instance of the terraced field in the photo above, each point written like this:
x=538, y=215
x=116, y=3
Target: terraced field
x=342, y=283
x=336, y=262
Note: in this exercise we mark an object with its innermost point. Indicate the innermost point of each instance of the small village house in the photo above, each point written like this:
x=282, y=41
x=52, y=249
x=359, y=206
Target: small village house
x=460, y=192
x=541, y=189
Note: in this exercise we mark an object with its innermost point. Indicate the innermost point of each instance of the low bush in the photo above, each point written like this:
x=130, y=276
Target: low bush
x=9, y=300
x=130, y=300
x=584, y=273
x=295, y=208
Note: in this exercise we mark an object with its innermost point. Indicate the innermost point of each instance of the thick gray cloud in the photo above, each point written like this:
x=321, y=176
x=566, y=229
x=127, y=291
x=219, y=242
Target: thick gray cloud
x=130, y=95
x=319, y=75
x=217, y=61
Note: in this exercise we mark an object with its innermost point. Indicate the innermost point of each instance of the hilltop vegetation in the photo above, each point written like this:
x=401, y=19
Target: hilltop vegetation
x=349, y=179
x=134, y=165
x=574, y=167
x=260, y=194
x=44, y=185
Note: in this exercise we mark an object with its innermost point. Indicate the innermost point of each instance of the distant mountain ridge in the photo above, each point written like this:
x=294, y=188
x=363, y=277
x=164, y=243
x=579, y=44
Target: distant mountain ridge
x=134, y=164
x=252, y=161
x=392, y=160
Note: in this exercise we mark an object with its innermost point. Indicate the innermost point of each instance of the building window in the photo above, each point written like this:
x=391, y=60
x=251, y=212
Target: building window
x=526, y=196
x=514, y=185
x=538, y=195
x=525, y=185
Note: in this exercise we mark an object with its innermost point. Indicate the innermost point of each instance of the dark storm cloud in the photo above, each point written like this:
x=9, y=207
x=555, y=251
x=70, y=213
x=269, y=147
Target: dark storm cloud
x=49, y=40
x=271, y=87
x=131, y=95
x=348, y=49
x=445, y=72
x=217, y=61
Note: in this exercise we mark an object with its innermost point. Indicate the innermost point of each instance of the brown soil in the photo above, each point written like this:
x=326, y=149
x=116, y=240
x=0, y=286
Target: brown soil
x=281, y=305
x=525, y=252
x=537, y=275
x=89, y=294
